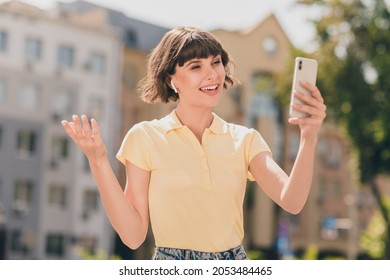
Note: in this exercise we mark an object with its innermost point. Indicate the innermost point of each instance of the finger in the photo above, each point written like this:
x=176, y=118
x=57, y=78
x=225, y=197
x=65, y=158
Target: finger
x=77, y=127
x=310, y=121
x=313, y=112
x=305, y=121
x=293, y=120
x=313, y=90
x=71, y=124
x=310, y=101
x=68, y=126
x=95, y=130
x=86, y=126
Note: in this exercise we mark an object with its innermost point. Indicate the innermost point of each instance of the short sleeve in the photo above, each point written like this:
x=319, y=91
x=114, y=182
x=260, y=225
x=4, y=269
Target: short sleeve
x=257, y=145
x=134, y=148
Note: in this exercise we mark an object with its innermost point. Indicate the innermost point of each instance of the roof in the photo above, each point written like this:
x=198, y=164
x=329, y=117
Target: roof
x=136, y=33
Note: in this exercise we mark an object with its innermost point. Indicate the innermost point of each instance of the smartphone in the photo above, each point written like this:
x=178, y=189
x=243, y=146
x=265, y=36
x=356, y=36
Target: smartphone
x=305, y=69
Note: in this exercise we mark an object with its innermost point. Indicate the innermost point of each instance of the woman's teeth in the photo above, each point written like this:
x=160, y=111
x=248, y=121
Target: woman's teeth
x=209, y=88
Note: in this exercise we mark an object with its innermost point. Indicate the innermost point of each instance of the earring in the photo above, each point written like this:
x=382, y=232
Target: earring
x=173, y=86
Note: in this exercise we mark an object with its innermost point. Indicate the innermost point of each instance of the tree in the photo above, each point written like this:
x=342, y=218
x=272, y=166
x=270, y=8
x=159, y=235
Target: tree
x=354, y=59
x=374, y=236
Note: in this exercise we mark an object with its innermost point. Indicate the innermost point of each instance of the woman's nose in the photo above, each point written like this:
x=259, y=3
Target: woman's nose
x=211, y=73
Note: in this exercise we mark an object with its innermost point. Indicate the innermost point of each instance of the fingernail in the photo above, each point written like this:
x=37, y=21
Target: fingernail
x=63, y=122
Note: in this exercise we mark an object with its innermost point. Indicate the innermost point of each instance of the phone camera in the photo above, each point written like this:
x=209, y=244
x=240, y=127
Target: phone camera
x=300, y=65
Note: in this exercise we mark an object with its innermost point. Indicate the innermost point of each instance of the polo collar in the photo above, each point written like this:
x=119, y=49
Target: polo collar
x=171, y=122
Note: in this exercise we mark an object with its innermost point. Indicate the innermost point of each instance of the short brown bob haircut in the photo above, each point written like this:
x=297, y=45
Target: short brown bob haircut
x=178, y=46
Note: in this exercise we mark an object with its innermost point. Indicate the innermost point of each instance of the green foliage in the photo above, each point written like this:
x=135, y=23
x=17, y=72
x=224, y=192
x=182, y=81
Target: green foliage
x=374, y=238
x=255, y=255
x=354, y=61
x=354, y=66
x=86, y=254
x=311, y=253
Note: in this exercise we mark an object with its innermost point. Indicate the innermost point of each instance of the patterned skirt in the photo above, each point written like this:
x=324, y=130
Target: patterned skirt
x=162, y=253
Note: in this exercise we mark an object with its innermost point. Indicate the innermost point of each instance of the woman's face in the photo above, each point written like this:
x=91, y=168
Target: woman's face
x=200, y=81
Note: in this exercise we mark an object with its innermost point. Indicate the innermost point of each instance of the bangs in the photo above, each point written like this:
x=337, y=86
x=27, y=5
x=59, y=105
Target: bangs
x=198, y=48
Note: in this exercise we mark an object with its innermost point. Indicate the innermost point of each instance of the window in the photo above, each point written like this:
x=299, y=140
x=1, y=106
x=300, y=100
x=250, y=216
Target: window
x=331, y=152
x=60, y=147
x=17, y=242
x=62, y=104
x=321, y=196
x=55, y=245
x=329, y=229
x=33, y=49
x=130, y=38
x=263, y=103
x=29, y=97
x=97, y=63
x=3, y=41
x=23, y=192
x=27, y=141
x=335, y=154
x=270, y=45
x=91, y=202
x=65, y=57
x=57, y=196
x=337, y=190
x=2, y=91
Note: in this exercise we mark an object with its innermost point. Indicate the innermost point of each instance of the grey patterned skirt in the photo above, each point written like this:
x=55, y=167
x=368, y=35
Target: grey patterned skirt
x=162, y=253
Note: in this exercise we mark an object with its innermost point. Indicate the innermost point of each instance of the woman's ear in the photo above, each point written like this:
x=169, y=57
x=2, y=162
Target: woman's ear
x=173, y=86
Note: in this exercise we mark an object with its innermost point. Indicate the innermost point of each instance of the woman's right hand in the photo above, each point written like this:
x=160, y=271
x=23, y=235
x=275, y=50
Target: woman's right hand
x=87, y=138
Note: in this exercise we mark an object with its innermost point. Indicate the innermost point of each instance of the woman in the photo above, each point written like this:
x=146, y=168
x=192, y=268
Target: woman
x=188, y=170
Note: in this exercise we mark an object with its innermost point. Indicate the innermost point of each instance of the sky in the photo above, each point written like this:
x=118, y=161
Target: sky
x=213, y=14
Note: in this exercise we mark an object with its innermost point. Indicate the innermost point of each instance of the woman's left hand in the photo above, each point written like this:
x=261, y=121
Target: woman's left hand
x=314, y=106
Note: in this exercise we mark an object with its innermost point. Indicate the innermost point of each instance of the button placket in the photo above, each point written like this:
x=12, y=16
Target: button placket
x=201, y=149
x=205, y=163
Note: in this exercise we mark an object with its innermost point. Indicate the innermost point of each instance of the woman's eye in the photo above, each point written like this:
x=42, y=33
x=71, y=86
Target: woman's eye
x=195, y=67
x=217, y=61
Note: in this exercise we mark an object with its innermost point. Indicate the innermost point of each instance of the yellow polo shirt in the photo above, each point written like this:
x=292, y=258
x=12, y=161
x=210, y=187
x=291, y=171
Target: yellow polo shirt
x=196, y=191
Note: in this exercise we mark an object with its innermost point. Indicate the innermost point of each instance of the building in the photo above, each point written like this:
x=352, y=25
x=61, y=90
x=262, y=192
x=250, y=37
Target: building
x=138, y=39
x=83, y=58
x=50, y=69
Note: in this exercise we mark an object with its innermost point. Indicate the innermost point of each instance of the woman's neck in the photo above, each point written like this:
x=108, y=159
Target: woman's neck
x=196, y=119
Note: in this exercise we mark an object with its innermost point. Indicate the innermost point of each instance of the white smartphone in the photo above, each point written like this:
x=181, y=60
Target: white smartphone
x=305, y=69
